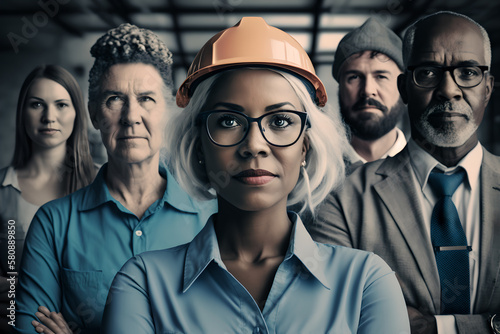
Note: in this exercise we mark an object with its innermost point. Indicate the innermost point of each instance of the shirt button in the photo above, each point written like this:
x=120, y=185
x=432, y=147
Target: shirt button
x=138, y=233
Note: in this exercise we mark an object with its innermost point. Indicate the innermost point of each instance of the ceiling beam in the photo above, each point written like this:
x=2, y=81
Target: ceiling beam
x=200, y=10
x=181, y=53
x=317, y=9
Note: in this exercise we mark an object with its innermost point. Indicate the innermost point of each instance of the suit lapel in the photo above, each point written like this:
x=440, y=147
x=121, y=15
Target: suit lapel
x=402, y=202
x=489, y=257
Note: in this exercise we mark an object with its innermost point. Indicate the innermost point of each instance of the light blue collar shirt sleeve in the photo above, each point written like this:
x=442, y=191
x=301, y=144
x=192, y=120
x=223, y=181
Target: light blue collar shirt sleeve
x=317, y=289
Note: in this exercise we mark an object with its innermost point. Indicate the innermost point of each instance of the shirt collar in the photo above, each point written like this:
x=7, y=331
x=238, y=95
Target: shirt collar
x=10, y=179
x=204, y=249
x=98, y=193
x=423, y=163
x=306, y=250
x=175, y=195
x=397, y=147
x=201, y=251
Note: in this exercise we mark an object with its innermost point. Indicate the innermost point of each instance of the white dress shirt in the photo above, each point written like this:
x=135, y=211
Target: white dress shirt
x=25, y=209
x=397, y=147
x=466, y=200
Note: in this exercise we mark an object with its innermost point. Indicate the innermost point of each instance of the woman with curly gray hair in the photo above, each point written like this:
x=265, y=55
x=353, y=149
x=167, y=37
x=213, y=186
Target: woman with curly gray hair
x=252, y=134
x=76, y=244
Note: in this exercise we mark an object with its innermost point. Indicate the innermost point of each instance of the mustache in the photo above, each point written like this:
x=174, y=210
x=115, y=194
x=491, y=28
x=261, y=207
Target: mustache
x=449, y=106
x=362, y=103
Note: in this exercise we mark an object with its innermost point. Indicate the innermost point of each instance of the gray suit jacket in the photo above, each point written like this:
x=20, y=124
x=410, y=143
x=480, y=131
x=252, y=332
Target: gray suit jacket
x=378, y=211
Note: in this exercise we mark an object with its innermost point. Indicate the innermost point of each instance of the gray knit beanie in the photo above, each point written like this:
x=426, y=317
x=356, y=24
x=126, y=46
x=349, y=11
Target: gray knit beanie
x=371, y=36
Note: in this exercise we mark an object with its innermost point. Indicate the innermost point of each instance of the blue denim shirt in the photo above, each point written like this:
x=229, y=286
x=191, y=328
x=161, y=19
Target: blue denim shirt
x=317, y=289
x=76, y=245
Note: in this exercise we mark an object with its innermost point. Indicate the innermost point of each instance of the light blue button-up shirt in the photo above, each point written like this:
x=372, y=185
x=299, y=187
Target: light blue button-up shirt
x=317, y=289
x=76, y=245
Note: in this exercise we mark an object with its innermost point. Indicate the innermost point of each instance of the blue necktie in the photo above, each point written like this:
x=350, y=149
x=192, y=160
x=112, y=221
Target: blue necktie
x=450, y=245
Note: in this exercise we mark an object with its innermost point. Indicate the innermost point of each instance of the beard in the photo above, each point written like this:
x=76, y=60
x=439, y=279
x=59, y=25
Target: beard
x=368, y=126
x=447, y=134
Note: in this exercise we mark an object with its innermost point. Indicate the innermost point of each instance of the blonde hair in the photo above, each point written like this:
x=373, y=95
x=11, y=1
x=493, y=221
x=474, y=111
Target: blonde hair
x=324, y=171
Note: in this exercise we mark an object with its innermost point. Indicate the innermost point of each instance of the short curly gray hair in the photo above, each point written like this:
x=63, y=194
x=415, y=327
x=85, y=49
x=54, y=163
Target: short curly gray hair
x=124, y=44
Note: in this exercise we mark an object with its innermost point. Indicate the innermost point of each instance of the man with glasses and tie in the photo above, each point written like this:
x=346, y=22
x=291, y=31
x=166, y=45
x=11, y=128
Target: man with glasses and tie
x=433, y=210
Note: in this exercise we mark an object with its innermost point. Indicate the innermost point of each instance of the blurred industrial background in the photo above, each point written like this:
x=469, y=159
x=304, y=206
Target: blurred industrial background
x=61, y=32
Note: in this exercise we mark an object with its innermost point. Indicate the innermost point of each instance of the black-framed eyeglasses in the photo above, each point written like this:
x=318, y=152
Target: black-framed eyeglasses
x=229, y=127
x=427, y=76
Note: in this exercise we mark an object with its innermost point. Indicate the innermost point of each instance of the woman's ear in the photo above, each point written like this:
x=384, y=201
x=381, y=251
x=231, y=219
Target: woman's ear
x=305, y=147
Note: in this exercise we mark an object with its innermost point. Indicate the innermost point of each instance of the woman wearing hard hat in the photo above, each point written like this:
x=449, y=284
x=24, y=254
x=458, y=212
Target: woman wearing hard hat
x=252, y=135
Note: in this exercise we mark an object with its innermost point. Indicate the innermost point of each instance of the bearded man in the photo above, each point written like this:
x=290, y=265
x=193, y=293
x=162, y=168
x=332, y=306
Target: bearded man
x=367, y=63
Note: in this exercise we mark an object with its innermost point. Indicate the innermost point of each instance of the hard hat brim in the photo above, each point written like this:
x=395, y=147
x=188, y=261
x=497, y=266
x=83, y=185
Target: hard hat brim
x=184, y=92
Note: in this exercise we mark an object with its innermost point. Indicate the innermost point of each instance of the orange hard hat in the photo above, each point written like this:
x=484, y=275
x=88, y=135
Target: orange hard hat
x=251, y=42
